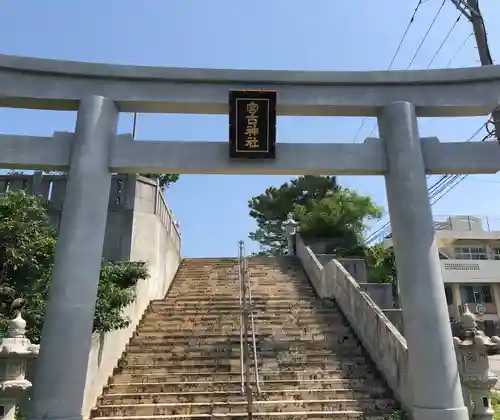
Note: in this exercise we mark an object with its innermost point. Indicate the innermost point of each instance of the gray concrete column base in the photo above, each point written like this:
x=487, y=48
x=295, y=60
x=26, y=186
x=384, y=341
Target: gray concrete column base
x=420, y=413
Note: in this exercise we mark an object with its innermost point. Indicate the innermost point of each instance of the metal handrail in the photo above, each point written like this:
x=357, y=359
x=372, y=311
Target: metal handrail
x=240, y=281
x=252, y=322
x=244, y=330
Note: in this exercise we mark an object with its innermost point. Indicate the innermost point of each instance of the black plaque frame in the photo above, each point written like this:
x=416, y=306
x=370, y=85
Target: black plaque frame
x=266, y=100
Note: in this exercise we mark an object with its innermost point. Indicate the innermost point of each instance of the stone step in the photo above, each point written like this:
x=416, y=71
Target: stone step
x=188, y=299
x=257, y=286
x=297, y=415
x=163, y=318
x=213, y=300
x=225, y=291
x=196, y=284
x=257, y=312
x=233, y=288
x=255, y=304
x=171, y=397
x=189, y=328
x=184, y=359
x=208, y=386
x=177, y=408
x=231, y=276
x=196, y=346
x=301, y=317
x=272, y=351
x=332, y=327
x=201, y=396
x=155, y=359
x=236, y=308
x=176, y=332
x=236, y=376
x=301, y=337
x=204, y=329
x=200, y=336
x=233, y=365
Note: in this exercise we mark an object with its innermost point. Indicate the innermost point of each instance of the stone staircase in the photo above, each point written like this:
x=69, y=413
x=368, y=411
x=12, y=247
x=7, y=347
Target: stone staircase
x=184, y=359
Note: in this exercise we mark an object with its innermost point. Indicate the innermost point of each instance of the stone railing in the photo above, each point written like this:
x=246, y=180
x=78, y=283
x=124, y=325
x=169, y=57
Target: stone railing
x=380, y=338
x=128, y=194
x=167, y=219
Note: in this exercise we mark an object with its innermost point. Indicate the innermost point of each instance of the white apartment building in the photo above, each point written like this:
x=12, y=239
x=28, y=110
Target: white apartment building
x=469, y=250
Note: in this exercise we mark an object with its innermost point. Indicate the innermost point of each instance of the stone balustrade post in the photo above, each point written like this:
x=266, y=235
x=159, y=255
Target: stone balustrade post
x=15, y=351
x=290, y=228
x=473, y=349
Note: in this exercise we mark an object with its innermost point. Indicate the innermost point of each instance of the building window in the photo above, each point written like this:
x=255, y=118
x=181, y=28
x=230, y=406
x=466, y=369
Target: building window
x=449, y=295
x=496, y=253
x=476, y=294
x=470, y=253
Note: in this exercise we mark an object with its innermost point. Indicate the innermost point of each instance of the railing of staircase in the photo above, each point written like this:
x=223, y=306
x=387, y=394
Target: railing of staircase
x=246, y=381
x=252, y=323
x=242, y=358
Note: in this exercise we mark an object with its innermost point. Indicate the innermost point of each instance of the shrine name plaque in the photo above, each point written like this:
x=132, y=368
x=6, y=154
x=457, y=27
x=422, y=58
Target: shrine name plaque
x=252, y=124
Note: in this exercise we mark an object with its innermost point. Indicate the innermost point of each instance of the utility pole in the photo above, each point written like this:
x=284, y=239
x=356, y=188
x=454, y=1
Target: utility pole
x=470, y=9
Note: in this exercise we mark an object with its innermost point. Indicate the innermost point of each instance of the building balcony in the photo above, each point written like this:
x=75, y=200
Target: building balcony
x=470, y=271
x=452, y=228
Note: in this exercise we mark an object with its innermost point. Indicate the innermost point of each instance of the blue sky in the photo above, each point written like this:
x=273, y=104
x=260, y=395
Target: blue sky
x=263, y=34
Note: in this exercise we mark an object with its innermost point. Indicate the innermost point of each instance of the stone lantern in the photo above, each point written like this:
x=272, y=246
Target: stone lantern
x=15, y=351
x=290, y=228
x=473, y=349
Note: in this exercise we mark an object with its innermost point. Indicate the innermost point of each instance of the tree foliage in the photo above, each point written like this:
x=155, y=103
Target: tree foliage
x=381, y=264
x=271, y=208
x=342, y=213
x=165, y=180
x=27, y=245
x=322, y=208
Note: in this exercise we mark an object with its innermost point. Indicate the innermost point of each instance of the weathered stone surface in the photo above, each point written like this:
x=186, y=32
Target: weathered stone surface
x=184, y=359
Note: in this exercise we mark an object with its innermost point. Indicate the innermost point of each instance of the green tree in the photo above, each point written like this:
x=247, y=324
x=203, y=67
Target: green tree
x=165, y=180
x=381, y=267
x=342, y=213
x=381, y=264
x=27, y=245
x=270, y=209
x=322, y=208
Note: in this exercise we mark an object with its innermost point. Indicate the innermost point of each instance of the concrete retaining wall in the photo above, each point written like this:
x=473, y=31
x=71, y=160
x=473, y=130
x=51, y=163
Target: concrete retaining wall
x=380, y=338
x=140, y=227
x=154, y=239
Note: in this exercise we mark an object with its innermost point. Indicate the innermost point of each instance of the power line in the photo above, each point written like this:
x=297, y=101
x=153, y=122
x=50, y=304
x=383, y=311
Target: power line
x=456, y=179
x=416, y=53
x=448, y=179
x=412, y=19
x=460, y=48
x=448, y=182
x=426, y=34
x=444, y=41
x=470, y=9
x=438, y=187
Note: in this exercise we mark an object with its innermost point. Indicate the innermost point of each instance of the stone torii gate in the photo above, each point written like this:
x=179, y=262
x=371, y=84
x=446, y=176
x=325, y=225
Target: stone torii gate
x=100, y=91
